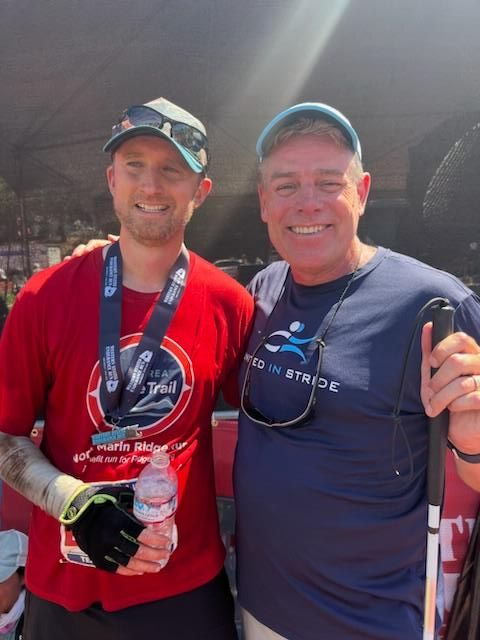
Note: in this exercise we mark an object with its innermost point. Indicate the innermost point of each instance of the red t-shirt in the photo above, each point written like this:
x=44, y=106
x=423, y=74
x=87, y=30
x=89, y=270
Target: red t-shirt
x=49, y=367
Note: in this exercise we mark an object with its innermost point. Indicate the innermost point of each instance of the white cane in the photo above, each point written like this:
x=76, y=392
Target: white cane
x=437, y=443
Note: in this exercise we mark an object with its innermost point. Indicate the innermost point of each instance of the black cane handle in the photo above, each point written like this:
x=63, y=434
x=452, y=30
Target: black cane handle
x=438, y=426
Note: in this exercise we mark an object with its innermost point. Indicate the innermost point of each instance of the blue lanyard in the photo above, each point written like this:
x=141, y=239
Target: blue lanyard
x=119, y=390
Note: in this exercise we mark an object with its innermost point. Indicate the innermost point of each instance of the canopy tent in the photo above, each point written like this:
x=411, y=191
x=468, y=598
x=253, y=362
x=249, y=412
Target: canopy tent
x=398, y=69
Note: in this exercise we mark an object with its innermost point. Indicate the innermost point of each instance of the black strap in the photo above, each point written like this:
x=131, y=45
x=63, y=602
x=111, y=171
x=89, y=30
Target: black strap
x=120, y=392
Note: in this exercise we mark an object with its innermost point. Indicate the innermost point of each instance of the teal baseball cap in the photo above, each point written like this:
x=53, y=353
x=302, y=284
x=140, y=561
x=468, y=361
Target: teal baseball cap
x=316, y=110
x=162, y=118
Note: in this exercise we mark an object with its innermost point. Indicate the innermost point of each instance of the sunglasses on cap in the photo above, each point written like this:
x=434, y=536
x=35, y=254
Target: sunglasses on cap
x=142, y=116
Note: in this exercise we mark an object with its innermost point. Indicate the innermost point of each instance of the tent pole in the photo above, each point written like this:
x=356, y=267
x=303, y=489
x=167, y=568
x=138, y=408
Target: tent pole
x=24, y=229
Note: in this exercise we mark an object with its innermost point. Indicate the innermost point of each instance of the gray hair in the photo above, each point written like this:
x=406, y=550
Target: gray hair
x=320, y=128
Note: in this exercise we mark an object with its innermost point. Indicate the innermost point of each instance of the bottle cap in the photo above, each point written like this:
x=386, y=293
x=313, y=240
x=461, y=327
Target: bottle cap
x=160, y=459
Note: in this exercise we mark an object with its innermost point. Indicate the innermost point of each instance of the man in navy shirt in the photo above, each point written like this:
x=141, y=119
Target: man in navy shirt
x=331, y=460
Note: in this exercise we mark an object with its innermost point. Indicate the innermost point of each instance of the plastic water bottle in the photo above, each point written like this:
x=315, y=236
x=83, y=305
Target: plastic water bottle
x=155, y=501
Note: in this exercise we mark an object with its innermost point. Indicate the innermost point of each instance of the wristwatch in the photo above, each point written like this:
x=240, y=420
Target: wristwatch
x=473, y=458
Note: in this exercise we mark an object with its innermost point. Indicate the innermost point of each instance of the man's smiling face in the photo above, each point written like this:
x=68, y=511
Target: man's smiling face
x=154, y=191
x=312, y=206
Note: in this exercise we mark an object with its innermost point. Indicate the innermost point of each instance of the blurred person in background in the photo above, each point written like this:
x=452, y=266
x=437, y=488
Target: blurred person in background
x=13, y=556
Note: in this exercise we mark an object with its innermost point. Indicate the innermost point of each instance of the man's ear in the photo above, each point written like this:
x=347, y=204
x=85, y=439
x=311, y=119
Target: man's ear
x=111, y=178
x=262, y=199
x=202, y=191
x=363, y=189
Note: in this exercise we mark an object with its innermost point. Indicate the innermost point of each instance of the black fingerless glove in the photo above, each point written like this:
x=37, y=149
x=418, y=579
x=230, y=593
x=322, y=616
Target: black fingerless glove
x=102, y=526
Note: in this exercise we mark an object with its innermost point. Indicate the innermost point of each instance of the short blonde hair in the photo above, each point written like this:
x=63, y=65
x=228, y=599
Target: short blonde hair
x=320, y=128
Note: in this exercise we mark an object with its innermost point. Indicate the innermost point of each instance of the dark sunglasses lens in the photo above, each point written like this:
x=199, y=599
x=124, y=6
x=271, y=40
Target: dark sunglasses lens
x=184, y=134
x=302, y=418
x=187, y=136
x=144, y=116
x=137, y=116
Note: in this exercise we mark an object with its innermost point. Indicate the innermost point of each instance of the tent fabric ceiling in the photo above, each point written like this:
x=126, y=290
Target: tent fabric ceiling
x=398, y=69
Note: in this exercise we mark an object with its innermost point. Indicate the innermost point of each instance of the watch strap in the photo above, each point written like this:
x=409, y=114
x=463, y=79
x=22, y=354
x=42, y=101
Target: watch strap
x=472, y=458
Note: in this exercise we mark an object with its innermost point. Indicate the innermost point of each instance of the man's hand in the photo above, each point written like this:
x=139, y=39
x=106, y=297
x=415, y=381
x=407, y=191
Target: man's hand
x=456, y=386
x=95, y=243
x=113, y=538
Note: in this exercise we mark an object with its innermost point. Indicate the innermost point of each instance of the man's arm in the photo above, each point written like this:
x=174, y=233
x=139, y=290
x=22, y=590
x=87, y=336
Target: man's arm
x=24, y=467
x=240, y=331
x=455, y=386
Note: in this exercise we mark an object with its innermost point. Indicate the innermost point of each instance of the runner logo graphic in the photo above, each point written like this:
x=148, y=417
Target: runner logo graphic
x=292, y=343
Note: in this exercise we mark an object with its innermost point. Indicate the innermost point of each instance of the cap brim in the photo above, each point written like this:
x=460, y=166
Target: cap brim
x=113, y=144
x=315, y=109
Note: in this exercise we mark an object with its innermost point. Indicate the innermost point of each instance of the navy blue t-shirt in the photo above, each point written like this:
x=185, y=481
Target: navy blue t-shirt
x=331, y=516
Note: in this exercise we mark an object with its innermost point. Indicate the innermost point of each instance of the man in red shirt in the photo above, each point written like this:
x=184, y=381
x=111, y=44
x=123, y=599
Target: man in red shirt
x=74, y=350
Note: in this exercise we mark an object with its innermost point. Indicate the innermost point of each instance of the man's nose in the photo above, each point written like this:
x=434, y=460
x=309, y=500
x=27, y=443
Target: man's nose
x=309, y=198
x=152, y=181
